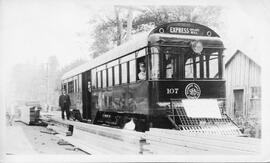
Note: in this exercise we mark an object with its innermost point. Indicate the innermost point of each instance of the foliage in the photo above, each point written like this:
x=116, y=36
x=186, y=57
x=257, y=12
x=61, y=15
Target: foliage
x=28, y=82
x=38, y=82
x=250, y=125
x=106, y=34
x=208, y=15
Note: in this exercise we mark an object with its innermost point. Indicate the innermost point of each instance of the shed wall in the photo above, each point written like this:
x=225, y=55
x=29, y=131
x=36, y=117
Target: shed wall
x=241, y=74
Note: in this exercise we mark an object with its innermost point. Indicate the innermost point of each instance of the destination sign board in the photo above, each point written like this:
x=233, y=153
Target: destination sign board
x=185, y=28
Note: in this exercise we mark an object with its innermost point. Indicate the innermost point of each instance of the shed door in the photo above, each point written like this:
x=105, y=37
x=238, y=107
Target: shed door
x=238, y=102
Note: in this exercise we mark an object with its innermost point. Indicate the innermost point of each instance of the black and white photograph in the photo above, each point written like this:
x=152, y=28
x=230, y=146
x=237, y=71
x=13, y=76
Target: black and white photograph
x=134, y=81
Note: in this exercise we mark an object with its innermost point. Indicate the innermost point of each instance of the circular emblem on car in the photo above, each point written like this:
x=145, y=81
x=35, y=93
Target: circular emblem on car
x=161, y=30
x=209, y=33
x=192, y=91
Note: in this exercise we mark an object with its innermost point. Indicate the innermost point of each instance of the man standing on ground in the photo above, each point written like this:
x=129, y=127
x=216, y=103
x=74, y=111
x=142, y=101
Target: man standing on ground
x=64, y=103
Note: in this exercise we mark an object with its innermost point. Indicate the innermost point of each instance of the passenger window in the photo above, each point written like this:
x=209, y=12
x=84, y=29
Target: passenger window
x=154, y=66
x=99, y=79
x=70, y=87
x=197, y=67
x=124, y=73
x=141, y=69
x=75, y=86
x=93, y=77
x=170, y=65
x=104, y=78
x=189, y=68
x=213, y=64
x=132, y=71
x=116, y=75
x=80, y=83
x=110, y=77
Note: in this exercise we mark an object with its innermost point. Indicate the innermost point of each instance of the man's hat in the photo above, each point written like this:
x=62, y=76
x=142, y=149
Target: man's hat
x=141, y=64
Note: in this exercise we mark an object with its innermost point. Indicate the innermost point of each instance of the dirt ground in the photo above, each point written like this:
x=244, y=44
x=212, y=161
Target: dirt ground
x=25, y=139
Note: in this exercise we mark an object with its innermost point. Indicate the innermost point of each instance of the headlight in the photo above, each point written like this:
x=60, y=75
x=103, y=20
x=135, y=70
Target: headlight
x=197, y=47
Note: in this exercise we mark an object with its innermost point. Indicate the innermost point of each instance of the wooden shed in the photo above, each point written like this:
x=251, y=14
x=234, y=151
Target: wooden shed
x=243, y=86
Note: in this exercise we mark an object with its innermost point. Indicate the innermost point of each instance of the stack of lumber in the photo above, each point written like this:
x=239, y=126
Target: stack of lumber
x=96, y=139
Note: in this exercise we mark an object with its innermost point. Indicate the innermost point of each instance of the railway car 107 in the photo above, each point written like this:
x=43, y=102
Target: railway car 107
x=170, y=77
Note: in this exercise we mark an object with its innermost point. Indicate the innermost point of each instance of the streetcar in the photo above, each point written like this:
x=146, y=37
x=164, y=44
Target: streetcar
x=170, y=77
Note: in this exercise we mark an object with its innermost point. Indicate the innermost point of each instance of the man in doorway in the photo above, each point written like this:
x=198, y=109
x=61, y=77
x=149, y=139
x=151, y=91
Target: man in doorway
x=64, y=103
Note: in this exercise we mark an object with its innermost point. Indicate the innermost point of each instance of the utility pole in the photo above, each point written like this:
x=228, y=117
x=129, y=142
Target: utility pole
x=47, y=86
x=119, y=26
x=129, y=21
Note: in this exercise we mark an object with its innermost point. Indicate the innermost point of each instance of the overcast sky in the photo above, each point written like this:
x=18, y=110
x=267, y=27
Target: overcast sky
x=33, y=30
x=36, y=29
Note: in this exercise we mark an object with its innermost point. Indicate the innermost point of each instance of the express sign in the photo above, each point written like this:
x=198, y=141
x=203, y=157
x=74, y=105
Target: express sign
x=185, y=28
x=181, y=30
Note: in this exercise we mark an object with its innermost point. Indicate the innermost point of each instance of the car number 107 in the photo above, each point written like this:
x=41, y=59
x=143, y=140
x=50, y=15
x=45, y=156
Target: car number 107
x=172, y=90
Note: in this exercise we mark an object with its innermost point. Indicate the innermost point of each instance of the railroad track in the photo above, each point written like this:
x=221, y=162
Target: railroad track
x=95, y=139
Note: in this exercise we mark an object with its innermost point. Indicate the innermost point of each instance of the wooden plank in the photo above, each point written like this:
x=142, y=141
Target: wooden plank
x=121, y=147
x=208, y=142
x=102, y=141
x=161, y=141
x=243, y=140
x=113, y=133
x=164, y=148
x=199, y=145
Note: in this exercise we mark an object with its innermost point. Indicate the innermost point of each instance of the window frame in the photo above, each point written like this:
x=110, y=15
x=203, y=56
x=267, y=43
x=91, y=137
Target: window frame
x=206, y=67
x=122, y=73
x=70, y=87
x=104, y=78
x=110, y=78
x=114, y=76
x=135, y=71
x=150, y=63
x=94, y=78
x=99, y=79
x=180, y=64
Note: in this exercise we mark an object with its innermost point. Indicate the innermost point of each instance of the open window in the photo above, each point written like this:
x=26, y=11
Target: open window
x=154, y=63
x=170, y=55
x=124, y=75
x=110, y=76
x=116, y=75
x=202, y=66
x=141, y=68
x=104, y=78
x=70, y=87
x=94, y=78
x=132, y=71
x=99, y=79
